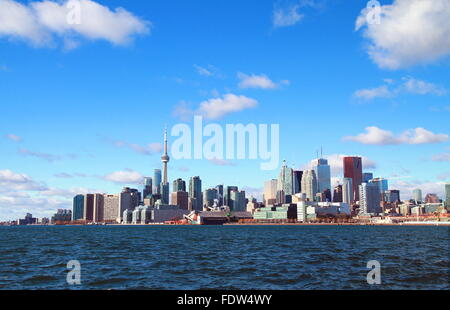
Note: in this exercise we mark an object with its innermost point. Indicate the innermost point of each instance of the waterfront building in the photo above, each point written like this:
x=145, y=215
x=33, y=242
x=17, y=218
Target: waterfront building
x=165, y=192
x=179, y=185
x=146, y=214
x=127, y=216
x=323, y=174
x=370, y=199
x=298, y=181
x=181, y=199
x=285, y=179
x=353, y=170
x=417, y=195
x=148, y=187
x=447, y=195
x=392, y=196
x=228, y=191
x=309, y=184
x=98, y=208
x=280, y=197
x=270, y=192
x=209, y=197
x=195, y=191
x=337, y=193
x=111, y=209
x=156, y=181
x=61, y=216
x=381, y=183
x=28, y=220
x=432, y=198
x=367, y=176
x=88, y=212
x=78, y=207
x=238, y=202
x=220, y=194
x=136, y=217
x=347, y=190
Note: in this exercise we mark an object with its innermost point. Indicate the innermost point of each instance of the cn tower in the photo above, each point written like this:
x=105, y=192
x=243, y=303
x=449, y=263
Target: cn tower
x=165, y=158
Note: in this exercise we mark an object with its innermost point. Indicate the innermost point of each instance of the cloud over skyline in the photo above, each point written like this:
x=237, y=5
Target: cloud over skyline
x=378, y=136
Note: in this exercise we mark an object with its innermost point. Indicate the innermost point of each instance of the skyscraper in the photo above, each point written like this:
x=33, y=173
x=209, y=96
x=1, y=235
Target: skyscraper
x=370, y=199
x=323, y=174
x=392, y=195
x=270, y=192
x=417, y=195
x=298, y=181
x=367, y=176
x=353, y=170
x=180, y=199
x=157, y=181
x=228, y=191
x=88, y=212
x=195, y=191
x=209, y=195
x=237, y=201
x=179, y=185
x=285, y=179
x=309, y=184
x=148, y=188
x=381, y=183
x=98, y=208
x=447, y=194
x=220, y=194
x=111, y=208
x=347, y=191
x=337, y=193
x=78, y=207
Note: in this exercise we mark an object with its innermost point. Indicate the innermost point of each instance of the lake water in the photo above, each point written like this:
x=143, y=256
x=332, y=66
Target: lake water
x=224, y=257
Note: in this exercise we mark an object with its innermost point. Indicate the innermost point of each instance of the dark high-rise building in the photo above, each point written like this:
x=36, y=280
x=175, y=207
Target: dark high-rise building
x=353, y=170
x=298, y=181
x=181, y=199
x=88, y=212
x=220, y=196
x=367, y=176
x=157, y=181
x=392, y=196
x=78, y=207
x=195, y=191
x=148, y=187
x=337, y=194
x=179, y=185
x=228, y=194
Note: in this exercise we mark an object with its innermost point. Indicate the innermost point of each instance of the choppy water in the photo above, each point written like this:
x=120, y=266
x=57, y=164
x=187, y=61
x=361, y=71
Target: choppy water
x=228, y=257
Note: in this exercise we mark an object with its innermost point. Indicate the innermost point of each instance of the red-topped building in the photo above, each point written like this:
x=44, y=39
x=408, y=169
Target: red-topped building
x=353, y=170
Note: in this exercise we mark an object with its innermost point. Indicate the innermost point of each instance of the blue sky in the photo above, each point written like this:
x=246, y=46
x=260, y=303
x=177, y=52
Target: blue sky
x=84, y=108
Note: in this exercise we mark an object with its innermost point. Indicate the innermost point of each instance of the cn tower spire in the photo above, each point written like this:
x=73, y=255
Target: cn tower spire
x=165, y=158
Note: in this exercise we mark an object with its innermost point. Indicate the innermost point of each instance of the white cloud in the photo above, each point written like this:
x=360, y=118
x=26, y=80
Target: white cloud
x=39, y=23
x=125, y=177
x=13, y=137
x=203, y=71
x=377, y=136
x=13, y=181
x=286, y=16
x=410, y=32
x=218, y=107
x=258, y=81
x=409, y=85
x=415, y=86
x=441, y=157
x=371, y=93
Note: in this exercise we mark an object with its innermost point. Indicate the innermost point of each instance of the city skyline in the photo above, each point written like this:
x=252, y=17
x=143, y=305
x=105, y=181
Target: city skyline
x=83, y=110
